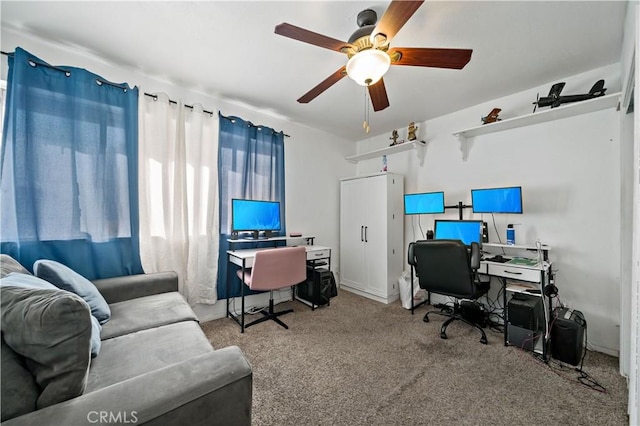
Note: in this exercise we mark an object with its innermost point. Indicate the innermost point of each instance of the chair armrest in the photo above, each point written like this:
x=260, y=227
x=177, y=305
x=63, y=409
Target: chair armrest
x=475, y=256
x=411, y=260
x=214, y=388
x=128, y=287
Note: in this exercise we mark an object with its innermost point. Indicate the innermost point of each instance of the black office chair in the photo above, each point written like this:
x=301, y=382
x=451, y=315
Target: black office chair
x=446, y=267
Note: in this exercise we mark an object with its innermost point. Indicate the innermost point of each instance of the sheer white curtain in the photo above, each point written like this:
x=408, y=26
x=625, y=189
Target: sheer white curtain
x=178, y=191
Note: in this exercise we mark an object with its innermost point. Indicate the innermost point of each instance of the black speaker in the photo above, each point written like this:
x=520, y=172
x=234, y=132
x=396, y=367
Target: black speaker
x=524, y=311
x=485, y=232
x=234, y=235
x=568, y=335
x=429, y=234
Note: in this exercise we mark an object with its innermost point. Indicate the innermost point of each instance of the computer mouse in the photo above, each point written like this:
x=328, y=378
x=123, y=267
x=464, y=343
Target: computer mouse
x=498, y=257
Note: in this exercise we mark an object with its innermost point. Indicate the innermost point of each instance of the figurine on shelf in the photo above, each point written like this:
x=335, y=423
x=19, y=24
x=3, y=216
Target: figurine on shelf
x=492, y=117
x=394, y=138
x=411, y=131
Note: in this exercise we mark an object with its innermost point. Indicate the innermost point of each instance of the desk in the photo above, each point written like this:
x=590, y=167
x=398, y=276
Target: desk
x=308, y=239
x=530, y=279
x=244, y=259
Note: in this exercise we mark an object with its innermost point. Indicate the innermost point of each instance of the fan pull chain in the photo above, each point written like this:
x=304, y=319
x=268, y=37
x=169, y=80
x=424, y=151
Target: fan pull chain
x=365, y=124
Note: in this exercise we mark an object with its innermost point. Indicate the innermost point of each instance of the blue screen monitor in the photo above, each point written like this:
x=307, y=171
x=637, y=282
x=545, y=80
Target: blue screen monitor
x=469, y=231
x=424, y=203
x=254, y=215
x=497, y=200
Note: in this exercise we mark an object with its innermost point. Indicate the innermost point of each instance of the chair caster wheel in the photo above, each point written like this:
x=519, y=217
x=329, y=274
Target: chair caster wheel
x=483, y=340
x=426, y=318
x=443, y=335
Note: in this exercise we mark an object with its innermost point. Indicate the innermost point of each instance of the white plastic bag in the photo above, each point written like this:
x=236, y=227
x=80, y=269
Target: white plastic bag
x=404, y=284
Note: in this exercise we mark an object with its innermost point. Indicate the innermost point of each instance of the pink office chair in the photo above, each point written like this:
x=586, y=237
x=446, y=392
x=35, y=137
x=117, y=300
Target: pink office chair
x=274, y=269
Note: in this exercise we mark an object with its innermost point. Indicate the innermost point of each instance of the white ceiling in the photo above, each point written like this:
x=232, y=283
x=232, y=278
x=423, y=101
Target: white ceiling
x=229, y=50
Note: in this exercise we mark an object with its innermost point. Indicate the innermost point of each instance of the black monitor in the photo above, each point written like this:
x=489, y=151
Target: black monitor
x=469, y=231
x=255, y=215
x=424, y=203
x=497, y=200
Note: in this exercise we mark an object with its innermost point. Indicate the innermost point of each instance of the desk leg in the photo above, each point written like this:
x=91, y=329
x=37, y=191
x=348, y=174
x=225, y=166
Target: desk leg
x=504, y=309
x=242, y=295
x=227, y=283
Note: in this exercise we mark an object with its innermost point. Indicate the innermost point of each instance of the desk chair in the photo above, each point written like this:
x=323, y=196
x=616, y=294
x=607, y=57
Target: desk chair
x=446, y=267
x=274, y=269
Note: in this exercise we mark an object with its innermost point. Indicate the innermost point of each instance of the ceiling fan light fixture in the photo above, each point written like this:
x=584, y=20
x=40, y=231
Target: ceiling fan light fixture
x=368, y=66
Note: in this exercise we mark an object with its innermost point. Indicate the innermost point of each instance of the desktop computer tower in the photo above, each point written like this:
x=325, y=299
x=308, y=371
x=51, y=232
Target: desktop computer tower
x=525, y=311
x=568, y=335
x=524, y=315
x=317, y=289
x=521, y=337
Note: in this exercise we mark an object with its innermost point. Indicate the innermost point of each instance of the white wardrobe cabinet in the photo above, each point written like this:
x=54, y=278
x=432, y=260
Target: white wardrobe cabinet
x=371, y=235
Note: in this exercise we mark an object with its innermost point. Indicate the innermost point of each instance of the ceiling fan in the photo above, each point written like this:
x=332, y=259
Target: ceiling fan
x=369, y=53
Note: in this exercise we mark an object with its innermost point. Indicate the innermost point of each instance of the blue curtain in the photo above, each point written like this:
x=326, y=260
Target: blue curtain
x=68, y=169
x=250, y=166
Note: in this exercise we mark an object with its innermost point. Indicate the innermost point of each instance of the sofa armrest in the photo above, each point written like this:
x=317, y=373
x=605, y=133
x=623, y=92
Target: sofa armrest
x=128, y=287
x=214, y=388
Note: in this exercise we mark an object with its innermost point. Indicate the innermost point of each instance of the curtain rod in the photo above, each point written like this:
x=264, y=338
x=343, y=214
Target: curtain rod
x=34, y=63
x=233, y=121
x=171, y=101
x=101, y=82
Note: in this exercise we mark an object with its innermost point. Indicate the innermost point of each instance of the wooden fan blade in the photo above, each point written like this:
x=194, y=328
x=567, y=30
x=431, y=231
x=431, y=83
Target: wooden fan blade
x=324, y=85
x=310, y=37
x=378, y=95
x=394, y=18
x=427, y=57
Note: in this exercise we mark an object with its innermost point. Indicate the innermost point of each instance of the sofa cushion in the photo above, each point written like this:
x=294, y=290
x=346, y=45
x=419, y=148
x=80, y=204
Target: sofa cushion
x=134, y=354
x=52, y=330
x=146, y=312
x=16, y=279
x=67, y=279
x=17, y=386
x=8, y=265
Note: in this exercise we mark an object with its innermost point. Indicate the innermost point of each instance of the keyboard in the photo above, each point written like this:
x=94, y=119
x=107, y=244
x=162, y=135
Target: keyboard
x=497, y=259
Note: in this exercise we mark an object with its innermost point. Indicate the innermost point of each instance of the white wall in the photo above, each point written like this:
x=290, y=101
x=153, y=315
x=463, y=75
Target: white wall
x=569, y=173
x=314, y=160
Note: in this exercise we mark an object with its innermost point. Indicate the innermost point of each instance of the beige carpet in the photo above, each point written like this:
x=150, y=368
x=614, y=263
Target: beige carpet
x=359, y=362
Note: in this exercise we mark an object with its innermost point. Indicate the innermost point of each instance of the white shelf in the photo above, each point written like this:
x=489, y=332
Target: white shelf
x=401, y=147
x=514, y=246
x=563, y=111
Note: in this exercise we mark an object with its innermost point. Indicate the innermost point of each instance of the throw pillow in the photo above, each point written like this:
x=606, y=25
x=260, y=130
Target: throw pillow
x=67, y=279
x=17, y=386
x=17, y=279
x=8, y=265
x=29, y=281
x=51, y=329
x=96, y=343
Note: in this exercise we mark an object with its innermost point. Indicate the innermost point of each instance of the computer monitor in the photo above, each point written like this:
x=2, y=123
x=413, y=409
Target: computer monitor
x=424, y=203
x=469, y=231
x=255, y=215
x=497, y=200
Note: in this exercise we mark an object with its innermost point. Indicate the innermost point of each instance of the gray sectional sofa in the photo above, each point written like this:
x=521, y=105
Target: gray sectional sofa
x=155, y=366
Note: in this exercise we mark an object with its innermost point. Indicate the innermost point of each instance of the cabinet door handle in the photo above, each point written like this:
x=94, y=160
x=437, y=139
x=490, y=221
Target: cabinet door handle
x=361, y=233
x=365, y=234
x=513, y=273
